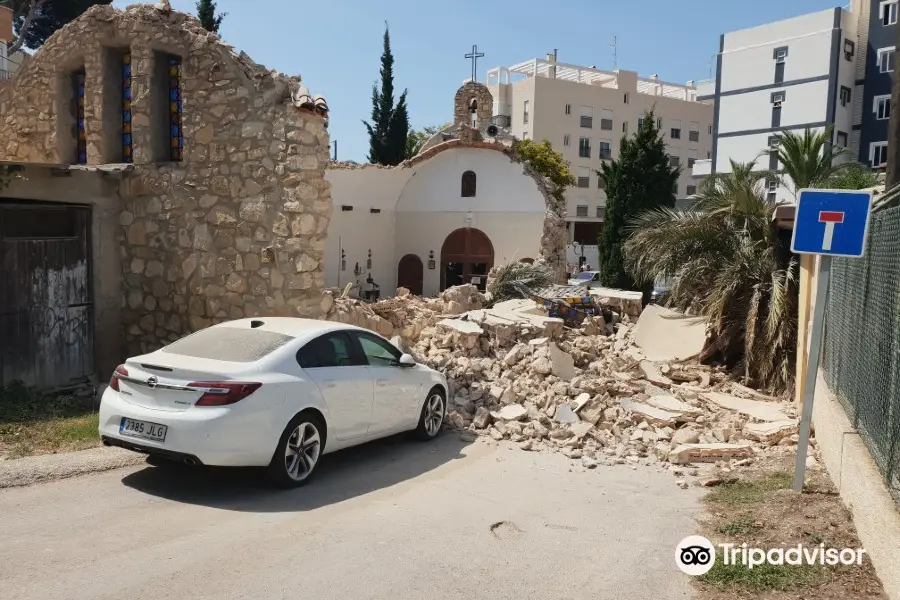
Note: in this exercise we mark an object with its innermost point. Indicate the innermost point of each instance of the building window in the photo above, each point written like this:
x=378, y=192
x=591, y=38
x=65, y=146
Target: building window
x=692, y=158
x=176, y=134
x=674, y=161
x=584, y=147
x=568, y=109
x=601, y=212
x=525, y=112
x=468, y=184
x=587, y=117
x=779, y=72
x=80, y=132
x=708, y=154
x=606, y=120
x=605, y=149
x=127, y=142
x=346, y=208
x=882, y=107
x=691, y=190
x=694, y=132
x=777, y=100
x=845, y=95
x=710, y=130
x=601, y=182
x=849, y=49
x=772, y=185
x=626, y=97
x=842, y=139
x=565, y=139
x=675, y=188
x=886, y=60
x=581, y=210
x=675, y=130
x=780, y=54
x=525, y=135
x=624, y=126
x=640, y=123
x=888, y=12
x=659, y=123
x=878, y=154
x=584, y=177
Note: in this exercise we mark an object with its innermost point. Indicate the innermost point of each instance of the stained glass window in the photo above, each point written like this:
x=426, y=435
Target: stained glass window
x=176, y=135
x=127, y=143
x=80, y=133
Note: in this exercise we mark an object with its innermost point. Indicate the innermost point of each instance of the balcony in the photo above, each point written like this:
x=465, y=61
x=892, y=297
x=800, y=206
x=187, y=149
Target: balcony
x=702, y=168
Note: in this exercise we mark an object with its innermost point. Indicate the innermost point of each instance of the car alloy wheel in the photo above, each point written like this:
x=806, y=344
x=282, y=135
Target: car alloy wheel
x=302, y=451
x=434, y=414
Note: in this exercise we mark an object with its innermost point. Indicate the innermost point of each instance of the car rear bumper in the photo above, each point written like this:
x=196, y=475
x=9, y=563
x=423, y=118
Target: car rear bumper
x=220, y=436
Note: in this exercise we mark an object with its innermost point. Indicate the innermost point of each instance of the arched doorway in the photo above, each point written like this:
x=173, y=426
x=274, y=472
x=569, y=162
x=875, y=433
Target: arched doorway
x=411, y=273
x=466, y=257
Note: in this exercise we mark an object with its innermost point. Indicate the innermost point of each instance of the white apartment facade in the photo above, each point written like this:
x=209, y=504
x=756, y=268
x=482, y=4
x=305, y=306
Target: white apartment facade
x=785, y=76
x=584, y=112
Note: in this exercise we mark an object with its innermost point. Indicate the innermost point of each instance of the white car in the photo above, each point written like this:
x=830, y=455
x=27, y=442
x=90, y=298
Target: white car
x=588, y=278
x=273, y=392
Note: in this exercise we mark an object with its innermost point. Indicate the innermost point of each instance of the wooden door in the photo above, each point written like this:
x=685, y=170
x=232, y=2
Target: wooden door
x=411, y=274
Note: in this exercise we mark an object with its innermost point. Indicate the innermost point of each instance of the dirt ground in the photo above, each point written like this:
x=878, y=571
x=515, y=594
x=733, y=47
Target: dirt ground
x=32, y=424
x=759, y=509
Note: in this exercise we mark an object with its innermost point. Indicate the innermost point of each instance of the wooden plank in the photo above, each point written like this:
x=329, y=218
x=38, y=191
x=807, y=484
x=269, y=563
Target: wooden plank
x=807, y=269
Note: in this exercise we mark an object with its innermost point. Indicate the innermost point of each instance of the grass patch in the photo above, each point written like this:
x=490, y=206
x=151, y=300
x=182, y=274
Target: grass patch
x=743, y=524
x=740, y=493
x=764, y=577
x=33, y=423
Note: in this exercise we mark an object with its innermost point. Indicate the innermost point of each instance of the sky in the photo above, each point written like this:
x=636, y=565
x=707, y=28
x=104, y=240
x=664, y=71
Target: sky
x=335, y=45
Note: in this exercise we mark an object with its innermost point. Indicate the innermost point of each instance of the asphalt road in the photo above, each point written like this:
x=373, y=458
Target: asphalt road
x=395, y=519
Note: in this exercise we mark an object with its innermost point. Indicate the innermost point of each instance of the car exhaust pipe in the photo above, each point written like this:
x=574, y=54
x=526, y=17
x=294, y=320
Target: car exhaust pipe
x=190, y=461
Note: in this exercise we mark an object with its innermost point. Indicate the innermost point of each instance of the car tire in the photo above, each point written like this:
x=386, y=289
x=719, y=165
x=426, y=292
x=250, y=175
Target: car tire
x=299, y=451
x=431, y=418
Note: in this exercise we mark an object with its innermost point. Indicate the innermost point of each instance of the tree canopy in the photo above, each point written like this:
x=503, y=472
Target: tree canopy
x=206, y=12
x=640, y=179
x=36, y=20
x=389, y=128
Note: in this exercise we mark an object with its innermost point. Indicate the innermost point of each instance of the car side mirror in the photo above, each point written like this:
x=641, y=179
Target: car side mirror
x=407, y=361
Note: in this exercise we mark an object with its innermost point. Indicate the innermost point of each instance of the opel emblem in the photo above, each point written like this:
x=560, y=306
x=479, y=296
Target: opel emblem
x=151, y=383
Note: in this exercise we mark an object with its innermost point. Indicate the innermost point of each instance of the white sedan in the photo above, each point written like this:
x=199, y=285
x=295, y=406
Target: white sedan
x=272, y=392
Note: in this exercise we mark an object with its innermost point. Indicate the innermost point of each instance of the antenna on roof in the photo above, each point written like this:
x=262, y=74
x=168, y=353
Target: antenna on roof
x=615, y=47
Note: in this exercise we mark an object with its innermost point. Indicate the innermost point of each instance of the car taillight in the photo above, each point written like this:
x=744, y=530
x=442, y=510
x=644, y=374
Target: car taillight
x=114, y=380
x=220, y=393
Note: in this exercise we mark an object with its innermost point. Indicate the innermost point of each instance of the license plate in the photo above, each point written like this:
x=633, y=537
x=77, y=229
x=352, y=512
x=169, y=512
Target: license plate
x=143, y=429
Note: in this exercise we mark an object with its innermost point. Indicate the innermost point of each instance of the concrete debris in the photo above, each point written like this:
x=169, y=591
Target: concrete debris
x=772, y=432
x=665, y=334
x=590, y=392
x=688, y=453
x=761, y=411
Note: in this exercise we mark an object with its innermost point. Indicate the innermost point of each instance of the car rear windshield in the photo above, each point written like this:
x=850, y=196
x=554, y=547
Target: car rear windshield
x=585, y=275
x=229, y=344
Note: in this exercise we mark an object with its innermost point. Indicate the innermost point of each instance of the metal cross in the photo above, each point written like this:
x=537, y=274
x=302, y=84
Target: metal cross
x=475, y=55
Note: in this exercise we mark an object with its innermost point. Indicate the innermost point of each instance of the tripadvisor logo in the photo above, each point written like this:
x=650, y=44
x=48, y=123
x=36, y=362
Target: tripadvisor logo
x=696, y=555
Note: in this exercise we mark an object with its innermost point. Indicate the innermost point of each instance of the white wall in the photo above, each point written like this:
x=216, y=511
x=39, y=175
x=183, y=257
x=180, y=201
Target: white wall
x=501, y=185
x=420, y=206
x=804, y=103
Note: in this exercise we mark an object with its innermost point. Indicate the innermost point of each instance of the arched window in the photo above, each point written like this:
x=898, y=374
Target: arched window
x=468, y=184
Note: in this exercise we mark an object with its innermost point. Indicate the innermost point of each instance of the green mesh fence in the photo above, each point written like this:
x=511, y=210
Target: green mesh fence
x=861, y=359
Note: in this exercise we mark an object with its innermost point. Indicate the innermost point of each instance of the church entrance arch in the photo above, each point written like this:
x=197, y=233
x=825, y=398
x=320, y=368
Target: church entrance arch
x=466, y=257
x=411, y=274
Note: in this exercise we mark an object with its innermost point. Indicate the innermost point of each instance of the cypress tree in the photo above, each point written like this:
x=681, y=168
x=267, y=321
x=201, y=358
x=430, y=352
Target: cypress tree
x=389, y=127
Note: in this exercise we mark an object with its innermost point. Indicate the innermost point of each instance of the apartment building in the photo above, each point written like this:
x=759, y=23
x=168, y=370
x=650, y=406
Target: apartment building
x=584, y=112
x=785, y=76
x=877, y=39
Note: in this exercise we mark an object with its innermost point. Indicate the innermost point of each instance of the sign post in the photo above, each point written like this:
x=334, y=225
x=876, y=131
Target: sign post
x=827, y=223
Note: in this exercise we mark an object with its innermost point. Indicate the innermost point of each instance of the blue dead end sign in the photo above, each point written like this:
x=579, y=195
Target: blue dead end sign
x=832, y=222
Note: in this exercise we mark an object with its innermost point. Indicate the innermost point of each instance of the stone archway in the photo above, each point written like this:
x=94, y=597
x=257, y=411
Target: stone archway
x=411, y=274
x=467, y=256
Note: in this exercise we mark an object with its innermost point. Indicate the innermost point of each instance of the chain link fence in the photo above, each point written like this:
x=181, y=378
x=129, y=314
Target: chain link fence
x=861, y=359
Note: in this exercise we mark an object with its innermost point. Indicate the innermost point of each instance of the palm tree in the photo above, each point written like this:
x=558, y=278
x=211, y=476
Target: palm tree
x=808, y=159
x=730, y=265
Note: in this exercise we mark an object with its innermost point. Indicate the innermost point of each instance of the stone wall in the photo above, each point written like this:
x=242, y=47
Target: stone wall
x=237, y=227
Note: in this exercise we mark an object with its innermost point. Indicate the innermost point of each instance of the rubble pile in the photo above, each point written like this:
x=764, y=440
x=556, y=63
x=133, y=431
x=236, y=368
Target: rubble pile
x=590, y=393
